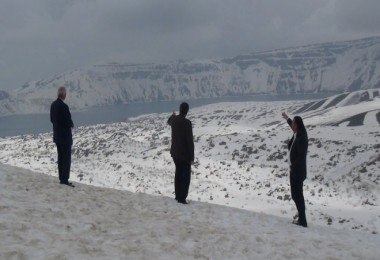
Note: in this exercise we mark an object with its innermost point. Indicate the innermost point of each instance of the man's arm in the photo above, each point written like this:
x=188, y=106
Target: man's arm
x=288, y=120
x=171, y=119
x=67, y=121
x=190, y=142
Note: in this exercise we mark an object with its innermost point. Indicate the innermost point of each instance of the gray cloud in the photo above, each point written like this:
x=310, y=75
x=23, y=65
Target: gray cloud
x=40, y=38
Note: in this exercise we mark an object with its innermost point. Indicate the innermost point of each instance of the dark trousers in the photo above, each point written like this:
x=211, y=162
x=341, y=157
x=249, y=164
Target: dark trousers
x=181, y=179
x=296, y=189
x=64, y=162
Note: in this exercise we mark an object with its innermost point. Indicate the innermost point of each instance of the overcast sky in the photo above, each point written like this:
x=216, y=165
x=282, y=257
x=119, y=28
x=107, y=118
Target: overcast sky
x=40, y=38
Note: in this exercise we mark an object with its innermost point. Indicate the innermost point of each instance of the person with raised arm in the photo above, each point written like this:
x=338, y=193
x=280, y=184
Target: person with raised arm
x=182, y=151
x=297, y=151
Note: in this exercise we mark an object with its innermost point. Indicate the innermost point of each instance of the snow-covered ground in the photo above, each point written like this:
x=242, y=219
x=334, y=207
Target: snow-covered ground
x=240, y=163
x=41, y=219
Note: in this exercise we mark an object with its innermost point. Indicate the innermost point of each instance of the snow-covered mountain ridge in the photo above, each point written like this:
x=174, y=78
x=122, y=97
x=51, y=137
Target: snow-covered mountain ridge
x=329, y=67
x=240, y=157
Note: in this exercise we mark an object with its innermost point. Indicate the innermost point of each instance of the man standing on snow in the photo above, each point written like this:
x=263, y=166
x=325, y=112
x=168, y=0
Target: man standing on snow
x=62, y=124
x=182, y=151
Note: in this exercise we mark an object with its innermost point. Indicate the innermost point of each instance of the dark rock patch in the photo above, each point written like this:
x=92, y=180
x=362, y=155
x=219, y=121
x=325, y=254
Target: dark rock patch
x=356, y=120
x=336, y=100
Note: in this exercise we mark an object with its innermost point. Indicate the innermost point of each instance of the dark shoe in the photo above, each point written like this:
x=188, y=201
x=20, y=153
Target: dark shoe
x=67, y=183
x=296, y=222
x=182, y=201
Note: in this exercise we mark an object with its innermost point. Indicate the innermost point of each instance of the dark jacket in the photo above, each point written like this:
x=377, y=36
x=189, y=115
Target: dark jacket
x=61, y=118
x=182, y=147
x=298, y=155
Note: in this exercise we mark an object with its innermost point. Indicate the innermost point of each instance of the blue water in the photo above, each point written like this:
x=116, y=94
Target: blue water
x=40, y=123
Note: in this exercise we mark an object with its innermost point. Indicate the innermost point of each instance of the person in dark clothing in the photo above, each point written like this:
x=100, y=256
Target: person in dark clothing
x=297, y=151
x=182, y=151
x=62, y=124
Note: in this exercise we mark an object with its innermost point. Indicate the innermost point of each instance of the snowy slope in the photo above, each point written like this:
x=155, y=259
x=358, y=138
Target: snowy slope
x=320, y=68
x=240, y=157
x=41, y=219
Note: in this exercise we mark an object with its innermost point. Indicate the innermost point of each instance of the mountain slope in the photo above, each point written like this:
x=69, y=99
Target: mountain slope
x=240, y=157
x=41, y=219
x=319, y=68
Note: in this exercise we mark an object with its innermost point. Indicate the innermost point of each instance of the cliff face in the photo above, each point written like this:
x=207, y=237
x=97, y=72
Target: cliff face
x=328, y=67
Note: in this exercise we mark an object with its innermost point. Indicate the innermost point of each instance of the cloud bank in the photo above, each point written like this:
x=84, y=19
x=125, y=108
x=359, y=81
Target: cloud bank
x=41, y=37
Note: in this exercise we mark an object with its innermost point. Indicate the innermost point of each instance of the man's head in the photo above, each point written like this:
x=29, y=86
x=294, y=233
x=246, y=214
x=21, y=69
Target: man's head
x=61, y=92
x=298, y=126
x=184, y=108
